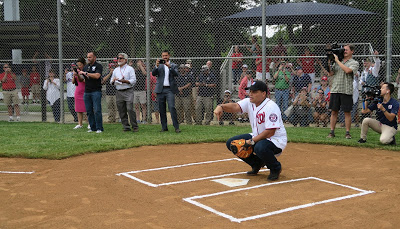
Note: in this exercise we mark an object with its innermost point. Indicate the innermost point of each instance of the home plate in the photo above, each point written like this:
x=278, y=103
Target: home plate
x=232, y=182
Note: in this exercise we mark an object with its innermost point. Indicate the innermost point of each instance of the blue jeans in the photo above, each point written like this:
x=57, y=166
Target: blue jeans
x=282, y=100
x=265, y=152
x=93, y=108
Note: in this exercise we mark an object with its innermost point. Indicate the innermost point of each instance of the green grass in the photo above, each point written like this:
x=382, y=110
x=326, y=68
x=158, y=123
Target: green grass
x=58, y=141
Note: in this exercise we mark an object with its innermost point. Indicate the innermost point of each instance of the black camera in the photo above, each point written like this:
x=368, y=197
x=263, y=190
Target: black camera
x=334, y=49
x=162, y=61
x=372, y=94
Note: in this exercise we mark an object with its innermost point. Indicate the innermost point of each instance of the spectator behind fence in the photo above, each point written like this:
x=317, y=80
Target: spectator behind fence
x=301, y=109
x=183, y=99
x=299, y=81
x=279, y=50
x=246, y=83
x=124, y=79
x=35, y=85
x=320, y=105
x=386, y=111
x=258, y=62
x=110, y=94
x=282, y=79
x=140, y=91
x=52, y=87
x=206, y=84
x=324, y=85
x=307, y=63
x=166, y=88
x=342, y=88
x=68, y=76
x=79, y=81
x=245, y=68
x=25, y=83
x=227, y=116
x=370, y=74
x=10, y=94
x=255, y=48
x=92, y=97
x=236, y=64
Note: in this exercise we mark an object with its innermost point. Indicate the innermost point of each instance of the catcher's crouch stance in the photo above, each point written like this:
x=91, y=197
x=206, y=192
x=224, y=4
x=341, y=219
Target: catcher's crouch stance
x=268, y=137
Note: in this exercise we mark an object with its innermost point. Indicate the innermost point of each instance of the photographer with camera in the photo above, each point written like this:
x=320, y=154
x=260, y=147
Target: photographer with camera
x=342, y=71
x=386, y=112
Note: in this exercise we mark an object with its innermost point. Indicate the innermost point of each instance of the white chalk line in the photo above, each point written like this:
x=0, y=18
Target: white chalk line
x=178, y=166
x=128, y=174
x=10, y=172
x=238, y=220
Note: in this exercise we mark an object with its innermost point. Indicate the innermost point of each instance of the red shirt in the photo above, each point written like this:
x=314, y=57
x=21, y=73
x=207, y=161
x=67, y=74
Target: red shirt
x=35, y=78
x=259, y=66
x=236, y=64
x=9, y=84
x=307, y=63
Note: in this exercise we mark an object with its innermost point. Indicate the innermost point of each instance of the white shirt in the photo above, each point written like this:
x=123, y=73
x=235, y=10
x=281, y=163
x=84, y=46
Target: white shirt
x=123, y=72
x=266, y=116
x=374, y=70
x=356, y=89
x=166, y=77
x=52, y=90
x=70, y=86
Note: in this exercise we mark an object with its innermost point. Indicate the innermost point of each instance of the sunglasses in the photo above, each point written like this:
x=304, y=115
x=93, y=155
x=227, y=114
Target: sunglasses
x=120, y=58
x=320, y=93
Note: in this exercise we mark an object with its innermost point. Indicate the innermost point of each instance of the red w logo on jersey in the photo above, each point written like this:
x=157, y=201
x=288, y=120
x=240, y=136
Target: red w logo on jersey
x=261, y=118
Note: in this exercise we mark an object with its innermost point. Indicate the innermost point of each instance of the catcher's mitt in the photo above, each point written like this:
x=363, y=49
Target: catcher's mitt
x=241, y=149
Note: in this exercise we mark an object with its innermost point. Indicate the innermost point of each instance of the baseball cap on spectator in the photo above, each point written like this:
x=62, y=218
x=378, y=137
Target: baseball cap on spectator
x=227, y=91
x=258, y=86
x=204, y=68
x=324, y=78
x=187, y=65
x=181, y=66
x=298, y=68
x=188, y=61
x=245, y=66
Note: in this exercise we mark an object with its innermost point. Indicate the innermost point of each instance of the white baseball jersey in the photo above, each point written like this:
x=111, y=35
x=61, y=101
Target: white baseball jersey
x=266, y=116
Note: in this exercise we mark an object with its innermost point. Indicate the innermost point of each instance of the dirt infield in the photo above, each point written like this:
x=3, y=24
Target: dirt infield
x=86, y=192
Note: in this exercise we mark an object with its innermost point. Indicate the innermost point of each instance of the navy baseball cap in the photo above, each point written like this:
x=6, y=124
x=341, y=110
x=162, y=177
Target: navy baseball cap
x=258, y=86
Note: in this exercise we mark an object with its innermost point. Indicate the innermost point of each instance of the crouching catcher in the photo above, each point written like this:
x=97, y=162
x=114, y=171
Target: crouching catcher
x=268, y=138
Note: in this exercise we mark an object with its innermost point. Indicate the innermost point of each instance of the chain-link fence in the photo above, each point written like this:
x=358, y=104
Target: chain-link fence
x=213, y=46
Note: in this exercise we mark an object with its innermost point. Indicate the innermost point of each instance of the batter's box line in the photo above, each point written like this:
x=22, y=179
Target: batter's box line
x=11, y=172
x=239, y=220
x=128, y=174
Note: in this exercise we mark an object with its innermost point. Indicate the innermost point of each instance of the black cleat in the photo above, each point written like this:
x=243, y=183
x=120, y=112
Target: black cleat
x=254, y=170
x=362, y=141
x=274, y=175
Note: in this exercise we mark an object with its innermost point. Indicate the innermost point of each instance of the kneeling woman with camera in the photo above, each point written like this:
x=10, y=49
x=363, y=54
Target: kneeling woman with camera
x=386, y=112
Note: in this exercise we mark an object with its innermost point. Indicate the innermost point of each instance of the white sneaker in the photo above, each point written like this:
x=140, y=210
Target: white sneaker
x=77, y=127
x=11, y=119
x=88, y=126
x=99, y=131
x=18, y=118
x=89, y=131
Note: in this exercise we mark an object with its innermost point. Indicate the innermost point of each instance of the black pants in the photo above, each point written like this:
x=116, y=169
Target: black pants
x=71, y=107
x=56, y=110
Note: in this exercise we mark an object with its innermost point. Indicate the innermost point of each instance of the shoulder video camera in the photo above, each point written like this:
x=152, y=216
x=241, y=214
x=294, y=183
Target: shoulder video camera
x=334, y=49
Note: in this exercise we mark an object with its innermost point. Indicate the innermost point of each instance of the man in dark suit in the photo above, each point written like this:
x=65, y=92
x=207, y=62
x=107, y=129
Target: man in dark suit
x=166, y=88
